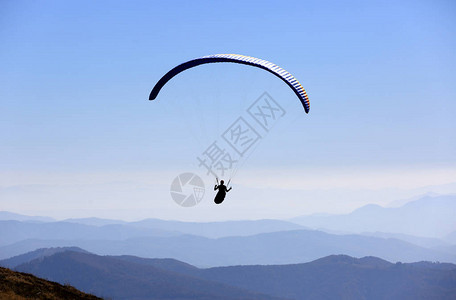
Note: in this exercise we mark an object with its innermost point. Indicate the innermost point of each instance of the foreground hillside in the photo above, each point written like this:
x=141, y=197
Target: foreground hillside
x=15, y=285
x=332, y=277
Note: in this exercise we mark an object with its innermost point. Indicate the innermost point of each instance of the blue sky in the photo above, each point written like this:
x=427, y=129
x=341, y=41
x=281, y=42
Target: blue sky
x=75, y=118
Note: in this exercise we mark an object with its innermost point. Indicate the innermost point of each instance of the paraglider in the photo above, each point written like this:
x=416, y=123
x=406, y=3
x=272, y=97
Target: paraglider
x=289, y=79
x=285, y=76
x=222, y=190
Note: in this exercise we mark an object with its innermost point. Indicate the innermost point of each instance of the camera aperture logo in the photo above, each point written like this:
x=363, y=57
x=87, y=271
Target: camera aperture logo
x=187, y=189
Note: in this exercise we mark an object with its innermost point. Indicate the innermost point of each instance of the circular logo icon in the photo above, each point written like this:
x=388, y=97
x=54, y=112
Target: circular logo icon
x=187, y=189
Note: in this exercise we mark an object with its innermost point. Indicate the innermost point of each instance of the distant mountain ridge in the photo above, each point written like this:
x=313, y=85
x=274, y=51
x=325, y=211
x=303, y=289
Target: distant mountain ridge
x=220, y=229
x=37, y=254
x=94, y=221
x=15, y=231
x=8, y=216
x=331, y=277
x=267, y=248
x=12, y=231
x=427, y=217
x=251, y=242
x=419, y=241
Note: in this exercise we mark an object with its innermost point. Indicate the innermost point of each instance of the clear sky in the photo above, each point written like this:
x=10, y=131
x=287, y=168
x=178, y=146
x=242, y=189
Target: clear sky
x=79, y=138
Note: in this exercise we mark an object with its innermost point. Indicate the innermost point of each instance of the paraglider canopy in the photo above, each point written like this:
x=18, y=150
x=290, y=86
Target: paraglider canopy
x=289, y=79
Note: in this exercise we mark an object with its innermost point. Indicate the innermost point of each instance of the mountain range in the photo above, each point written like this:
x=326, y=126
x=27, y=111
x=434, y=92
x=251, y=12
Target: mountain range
x=109, y=277
x=282, y=247
x=331, y=277
x=210, y=244
x=428, y=216
x=5, y=215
